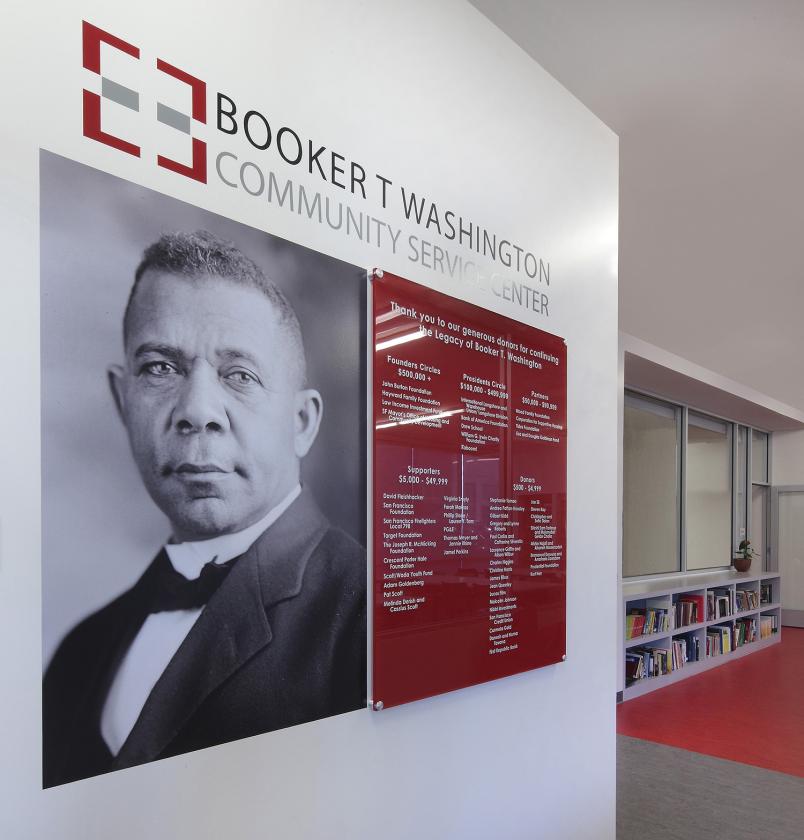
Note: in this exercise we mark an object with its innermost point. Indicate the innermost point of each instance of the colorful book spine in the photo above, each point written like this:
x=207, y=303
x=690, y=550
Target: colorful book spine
x=646, y=622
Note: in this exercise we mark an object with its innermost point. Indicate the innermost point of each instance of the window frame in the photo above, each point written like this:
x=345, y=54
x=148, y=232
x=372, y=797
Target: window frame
x=750, y=484
x=681, y=506
x=680, y=417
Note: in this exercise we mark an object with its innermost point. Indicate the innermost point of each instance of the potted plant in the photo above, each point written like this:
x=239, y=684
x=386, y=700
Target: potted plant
x=745, y=554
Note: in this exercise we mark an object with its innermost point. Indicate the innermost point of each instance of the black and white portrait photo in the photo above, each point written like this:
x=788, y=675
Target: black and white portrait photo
x=203, y=477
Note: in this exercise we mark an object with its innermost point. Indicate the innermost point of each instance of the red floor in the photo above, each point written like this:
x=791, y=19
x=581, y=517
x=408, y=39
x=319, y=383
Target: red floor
x=750, y=710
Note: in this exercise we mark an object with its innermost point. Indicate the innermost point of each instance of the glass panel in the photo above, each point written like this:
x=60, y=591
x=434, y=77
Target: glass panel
x=742, y=483
x=759, y=526
x=791, y=549
x=759, y=456
x=708, y=492
x=650, y=487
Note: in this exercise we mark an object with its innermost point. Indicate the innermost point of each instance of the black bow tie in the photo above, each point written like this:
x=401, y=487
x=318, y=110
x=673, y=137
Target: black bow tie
x=172, y=591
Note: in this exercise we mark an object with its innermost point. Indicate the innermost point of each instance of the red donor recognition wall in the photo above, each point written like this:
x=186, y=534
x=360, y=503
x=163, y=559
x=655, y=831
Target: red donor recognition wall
x=470, y=495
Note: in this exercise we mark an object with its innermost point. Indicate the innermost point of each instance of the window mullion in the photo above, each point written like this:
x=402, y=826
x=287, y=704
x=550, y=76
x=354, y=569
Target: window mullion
x=682, y=483
x=749, y=486
x=735, y=484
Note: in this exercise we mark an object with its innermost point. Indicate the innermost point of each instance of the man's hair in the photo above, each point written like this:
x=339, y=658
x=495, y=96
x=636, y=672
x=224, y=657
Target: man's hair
x=200, y=255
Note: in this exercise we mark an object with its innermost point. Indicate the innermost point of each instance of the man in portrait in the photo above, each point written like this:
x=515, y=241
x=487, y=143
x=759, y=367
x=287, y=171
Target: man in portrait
x=252, y=616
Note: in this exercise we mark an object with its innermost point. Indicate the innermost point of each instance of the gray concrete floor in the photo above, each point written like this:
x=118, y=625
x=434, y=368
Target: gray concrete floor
x=664, y=793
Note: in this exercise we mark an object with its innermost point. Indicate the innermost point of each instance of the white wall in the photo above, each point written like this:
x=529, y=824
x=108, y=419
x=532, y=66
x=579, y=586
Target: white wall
x=433, y=96
x=710, y=179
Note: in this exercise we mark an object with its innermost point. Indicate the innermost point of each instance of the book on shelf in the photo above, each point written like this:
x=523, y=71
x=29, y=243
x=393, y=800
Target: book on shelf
x=745, y=630
x=747, y=599
x=720, y=603
x=685, y=649
x=634, y=622
x=719, y=641
x=689, y=609
x=766, y=593
x=646, y=621
x=768, y=625
x=644, y=662
x=634, y=668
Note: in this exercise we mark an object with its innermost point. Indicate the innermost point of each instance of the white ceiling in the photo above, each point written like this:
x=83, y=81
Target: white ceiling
x=708, y=101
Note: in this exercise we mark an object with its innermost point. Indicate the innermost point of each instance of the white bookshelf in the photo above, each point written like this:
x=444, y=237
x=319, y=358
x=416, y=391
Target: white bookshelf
x=663, y=594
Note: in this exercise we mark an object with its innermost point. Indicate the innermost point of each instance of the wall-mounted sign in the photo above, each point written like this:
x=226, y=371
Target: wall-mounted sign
x=469, y=494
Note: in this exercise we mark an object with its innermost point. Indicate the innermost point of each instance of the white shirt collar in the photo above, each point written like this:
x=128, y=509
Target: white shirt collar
x=188, y=558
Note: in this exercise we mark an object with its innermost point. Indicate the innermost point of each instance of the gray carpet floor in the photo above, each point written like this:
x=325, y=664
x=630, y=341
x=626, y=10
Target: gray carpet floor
x=664, y=793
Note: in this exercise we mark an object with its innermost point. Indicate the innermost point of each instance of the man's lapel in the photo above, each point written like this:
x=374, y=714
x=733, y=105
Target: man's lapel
x=232, y=628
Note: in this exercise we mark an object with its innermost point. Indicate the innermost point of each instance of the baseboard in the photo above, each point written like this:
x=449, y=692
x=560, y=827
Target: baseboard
x=793, y=618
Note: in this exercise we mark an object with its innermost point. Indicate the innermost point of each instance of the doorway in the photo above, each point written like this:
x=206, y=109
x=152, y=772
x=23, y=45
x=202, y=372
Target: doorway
x=787, y=550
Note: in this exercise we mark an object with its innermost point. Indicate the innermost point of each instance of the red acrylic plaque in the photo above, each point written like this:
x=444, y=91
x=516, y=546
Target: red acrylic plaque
x=470, y=462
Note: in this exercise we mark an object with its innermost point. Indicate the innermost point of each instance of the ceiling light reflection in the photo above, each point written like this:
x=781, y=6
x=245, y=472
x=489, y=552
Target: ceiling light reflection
x=401, y=339
x=419, y=419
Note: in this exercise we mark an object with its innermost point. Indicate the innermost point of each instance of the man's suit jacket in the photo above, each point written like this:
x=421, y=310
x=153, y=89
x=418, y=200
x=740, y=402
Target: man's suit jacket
x=281, y=642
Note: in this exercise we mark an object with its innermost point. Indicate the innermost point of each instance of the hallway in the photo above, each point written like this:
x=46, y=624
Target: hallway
x=718, y=755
